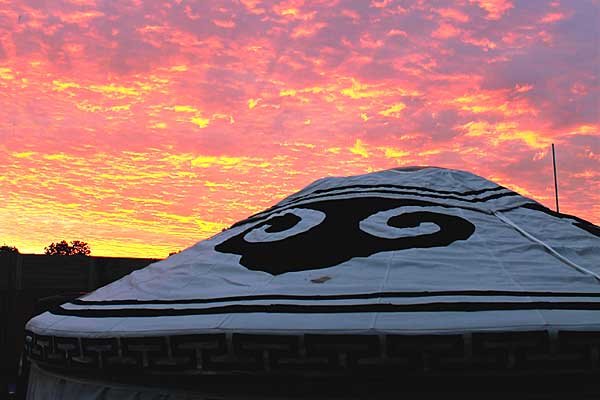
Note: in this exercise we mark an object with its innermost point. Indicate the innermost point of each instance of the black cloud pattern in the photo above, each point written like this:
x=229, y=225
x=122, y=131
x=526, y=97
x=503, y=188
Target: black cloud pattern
x=338, y=238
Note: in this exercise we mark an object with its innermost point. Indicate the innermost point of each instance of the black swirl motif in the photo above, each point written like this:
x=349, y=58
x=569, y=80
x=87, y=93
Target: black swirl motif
x=338, y=238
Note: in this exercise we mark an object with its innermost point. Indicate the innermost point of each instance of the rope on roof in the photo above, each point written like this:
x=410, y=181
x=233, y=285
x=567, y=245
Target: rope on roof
x=549, y=248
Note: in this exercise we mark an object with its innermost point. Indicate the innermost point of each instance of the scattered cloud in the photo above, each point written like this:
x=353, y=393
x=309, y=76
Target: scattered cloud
x=143, y=127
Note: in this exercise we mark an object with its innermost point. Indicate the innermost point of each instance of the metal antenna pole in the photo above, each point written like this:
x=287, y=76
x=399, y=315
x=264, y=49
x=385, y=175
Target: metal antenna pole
x=555, y=180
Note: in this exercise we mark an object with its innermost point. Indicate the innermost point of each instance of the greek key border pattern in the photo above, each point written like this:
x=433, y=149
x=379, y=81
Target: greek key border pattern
x=221, y=353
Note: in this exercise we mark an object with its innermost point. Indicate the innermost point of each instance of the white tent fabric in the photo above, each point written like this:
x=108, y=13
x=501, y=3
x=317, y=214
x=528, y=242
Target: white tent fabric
x=412, y=251
x=511, y=248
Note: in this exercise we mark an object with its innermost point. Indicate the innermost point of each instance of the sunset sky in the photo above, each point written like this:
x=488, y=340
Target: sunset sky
x=144, y=127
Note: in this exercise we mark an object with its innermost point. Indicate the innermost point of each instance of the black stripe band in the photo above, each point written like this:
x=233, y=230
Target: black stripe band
x=357, y=296
x=374, y=187
x=433, y=196
x=424, y=189
x=291, y=204
x=329, y=309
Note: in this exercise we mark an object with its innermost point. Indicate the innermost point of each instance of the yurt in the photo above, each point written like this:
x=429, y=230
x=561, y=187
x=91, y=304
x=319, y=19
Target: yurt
x=359, y=286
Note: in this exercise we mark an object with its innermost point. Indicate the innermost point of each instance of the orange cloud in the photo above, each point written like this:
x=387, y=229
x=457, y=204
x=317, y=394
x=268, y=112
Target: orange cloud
x=396, y=32
x=380, y=3
x=359, y=149
x=252, y=6
x=453, y=14
x=353, y=15
x=498, y=134
x=307, y=30
x=80, y=17
x=393, y=111
x=222, y=23
x=495, y=8
x=360, y=91
x=484, y=43
x=253, y=102
x=552, y=17
x=445, y=31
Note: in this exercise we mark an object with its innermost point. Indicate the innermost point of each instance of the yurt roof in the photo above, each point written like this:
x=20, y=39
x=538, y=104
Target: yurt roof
x=374, y=266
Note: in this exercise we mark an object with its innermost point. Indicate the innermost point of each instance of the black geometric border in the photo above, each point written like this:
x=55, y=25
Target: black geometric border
x=319, y=354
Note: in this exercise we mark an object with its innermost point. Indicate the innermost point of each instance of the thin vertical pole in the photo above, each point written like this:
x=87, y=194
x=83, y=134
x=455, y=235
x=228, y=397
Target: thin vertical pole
x=555, y=180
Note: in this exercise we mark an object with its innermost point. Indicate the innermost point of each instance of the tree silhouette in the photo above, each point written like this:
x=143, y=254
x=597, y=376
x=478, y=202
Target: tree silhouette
x=4, y=249
x=62, y=248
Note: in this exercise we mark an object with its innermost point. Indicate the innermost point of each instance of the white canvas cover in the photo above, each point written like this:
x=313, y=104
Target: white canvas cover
x=371, y=246
x=415, y=251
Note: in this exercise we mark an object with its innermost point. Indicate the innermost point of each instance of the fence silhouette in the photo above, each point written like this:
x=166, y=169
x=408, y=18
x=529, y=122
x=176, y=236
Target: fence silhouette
x=25, y=279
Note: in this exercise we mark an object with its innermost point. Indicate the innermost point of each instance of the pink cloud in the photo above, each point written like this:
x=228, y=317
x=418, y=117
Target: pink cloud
x=495, y=8
x=445, y=31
